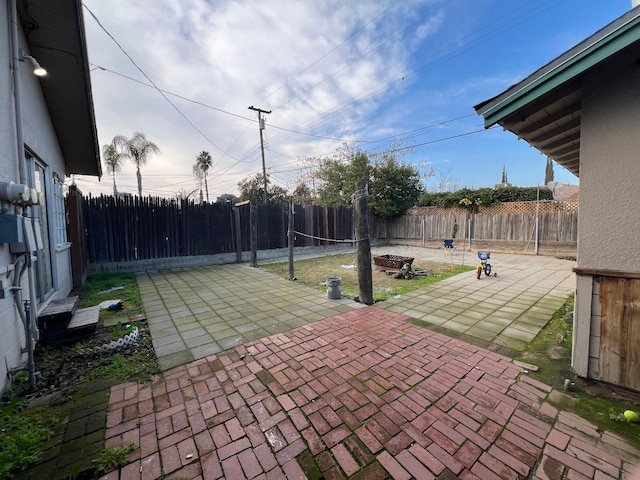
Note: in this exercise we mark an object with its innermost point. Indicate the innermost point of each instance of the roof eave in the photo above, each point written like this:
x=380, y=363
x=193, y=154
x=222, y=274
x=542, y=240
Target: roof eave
x=60, y=46
x=613, y=38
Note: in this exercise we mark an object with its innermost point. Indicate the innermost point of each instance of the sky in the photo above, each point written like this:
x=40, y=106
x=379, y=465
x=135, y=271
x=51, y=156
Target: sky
x=375, y=75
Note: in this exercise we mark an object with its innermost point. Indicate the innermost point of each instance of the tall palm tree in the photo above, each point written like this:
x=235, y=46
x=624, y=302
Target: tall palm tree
x=138, y=149
x=199, y=177
x=201, y=169
x=113, y=159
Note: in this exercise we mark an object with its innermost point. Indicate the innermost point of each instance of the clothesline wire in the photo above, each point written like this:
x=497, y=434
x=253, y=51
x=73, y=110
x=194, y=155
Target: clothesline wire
x=331, y=239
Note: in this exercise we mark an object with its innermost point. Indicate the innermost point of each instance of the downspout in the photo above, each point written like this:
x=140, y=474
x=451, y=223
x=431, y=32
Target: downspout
x=17, y=97
x=30, y=324
x=17, y=295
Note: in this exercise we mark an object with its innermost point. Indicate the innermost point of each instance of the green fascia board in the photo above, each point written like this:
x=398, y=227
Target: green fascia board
x=577, y=65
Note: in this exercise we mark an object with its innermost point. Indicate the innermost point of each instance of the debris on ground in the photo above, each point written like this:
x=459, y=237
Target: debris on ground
x=631, y=416
x=527, y=366
x=407, y=271
x=107, y=304
x=65, y=369
x=112, y=289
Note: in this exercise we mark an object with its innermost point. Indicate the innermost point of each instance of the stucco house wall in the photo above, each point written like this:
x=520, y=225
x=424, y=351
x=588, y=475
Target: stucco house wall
x=11, y=331
x=41, y=140
x=609, y=218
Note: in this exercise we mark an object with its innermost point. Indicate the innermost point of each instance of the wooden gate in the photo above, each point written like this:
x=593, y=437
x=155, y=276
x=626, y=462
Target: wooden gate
x=620, y=331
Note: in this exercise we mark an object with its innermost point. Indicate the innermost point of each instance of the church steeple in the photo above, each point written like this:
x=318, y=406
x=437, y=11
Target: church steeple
x=505, y=181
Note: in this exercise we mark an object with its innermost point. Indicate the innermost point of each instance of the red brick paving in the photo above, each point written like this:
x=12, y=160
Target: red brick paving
x=365, y=394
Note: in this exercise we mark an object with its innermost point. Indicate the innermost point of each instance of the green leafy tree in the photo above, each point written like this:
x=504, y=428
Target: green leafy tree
x=252, y=188
x=113, y=159
x=137, y=149
x=548, y=172
x=394, y=186
x=472, y=199
x=201, y=170
x=227, y=197
x=302, y=195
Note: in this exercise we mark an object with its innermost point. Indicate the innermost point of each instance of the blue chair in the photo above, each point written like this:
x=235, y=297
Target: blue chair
x=449, y=244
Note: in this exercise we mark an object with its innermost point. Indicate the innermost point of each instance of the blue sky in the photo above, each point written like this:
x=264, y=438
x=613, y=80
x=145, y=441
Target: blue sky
x=377, y=74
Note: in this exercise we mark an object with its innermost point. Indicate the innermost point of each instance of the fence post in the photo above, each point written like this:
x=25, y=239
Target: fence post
x=537, y=218
x=236, y=211
x=254, y=232
x=79, y=256
x=291, y=212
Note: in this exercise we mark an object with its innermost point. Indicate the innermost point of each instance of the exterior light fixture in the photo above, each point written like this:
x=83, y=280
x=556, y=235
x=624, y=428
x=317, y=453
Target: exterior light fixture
x=37, y=68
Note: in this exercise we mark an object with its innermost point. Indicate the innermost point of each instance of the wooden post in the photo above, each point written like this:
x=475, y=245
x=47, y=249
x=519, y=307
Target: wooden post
x=238, y=235
x=292, y=275
x=254, y=232
x=363, y=244
x=79, y=255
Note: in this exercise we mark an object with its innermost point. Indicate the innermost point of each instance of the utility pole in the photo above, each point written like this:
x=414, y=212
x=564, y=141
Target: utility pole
x=261, y=125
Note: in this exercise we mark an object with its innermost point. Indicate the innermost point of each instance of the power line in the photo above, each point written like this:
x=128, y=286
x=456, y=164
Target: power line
x=276, y=127
x=153, y=83
x=443, y=55
x=327, y=53
x=202, y=104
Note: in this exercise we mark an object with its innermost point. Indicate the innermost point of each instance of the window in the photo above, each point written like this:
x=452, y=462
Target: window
x=59, y=217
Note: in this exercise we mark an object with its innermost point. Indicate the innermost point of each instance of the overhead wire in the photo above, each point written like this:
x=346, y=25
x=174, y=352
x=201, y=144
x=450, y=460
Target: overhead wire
x=290, y=131
x=325, y=55
x=202, y=134
x=444, y=55
x=386, y=39
x=255, y=148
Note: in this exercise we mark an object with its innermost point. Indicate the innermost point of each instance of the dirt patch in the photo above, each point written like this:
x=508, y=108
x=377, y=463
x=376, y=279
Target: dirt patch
x=601, y=390
x=65, y=369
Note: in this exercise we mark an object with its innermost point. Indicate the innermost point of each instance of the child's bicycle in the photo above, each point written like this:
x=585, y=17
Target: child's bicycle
x=484, y=265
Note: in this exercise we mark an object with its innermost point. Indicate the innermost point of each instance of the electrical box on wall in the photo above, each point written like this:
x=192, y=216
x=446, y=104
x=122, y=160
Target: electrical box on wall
x=11, y=229
x=28, y=239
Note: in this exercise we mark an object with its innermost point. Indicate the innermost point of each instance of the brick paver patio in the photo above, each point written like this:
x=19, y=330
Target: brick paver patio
x=365, y=395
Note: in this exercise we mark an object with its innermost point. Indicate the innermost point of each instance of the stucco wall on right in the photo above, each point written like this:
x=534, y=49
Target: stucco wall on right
x=609, y=218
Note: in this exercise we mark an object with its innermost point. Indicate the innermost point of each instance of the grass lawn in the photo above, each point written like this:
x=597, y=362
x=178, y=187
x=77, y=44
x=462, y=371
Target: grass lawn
x=313, y=272
x=65, y=371
x=601, y=404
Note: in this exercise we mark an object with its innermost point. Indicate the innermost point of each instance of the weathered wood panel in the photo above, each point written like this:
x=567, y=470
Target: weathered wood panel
x=620, y=331
x=556, y=226
x=126, y=229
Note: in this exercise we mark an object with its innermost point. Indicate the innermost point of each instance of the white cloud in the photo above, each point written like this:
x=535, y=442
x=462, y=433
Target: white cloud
x=232, y=54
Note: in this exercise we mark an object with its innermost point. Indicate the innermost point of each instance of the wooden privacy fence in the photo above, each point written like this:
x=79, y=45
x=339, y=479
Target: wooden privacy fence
x=133, y=228
x=109, y=229
x=557, y=223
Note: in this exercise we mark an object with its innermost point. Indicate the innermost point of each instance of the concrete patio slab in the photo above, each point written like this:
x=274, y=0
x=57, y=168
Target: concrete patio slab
x=521, y=299
x=235, y=304
x=196, y=312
